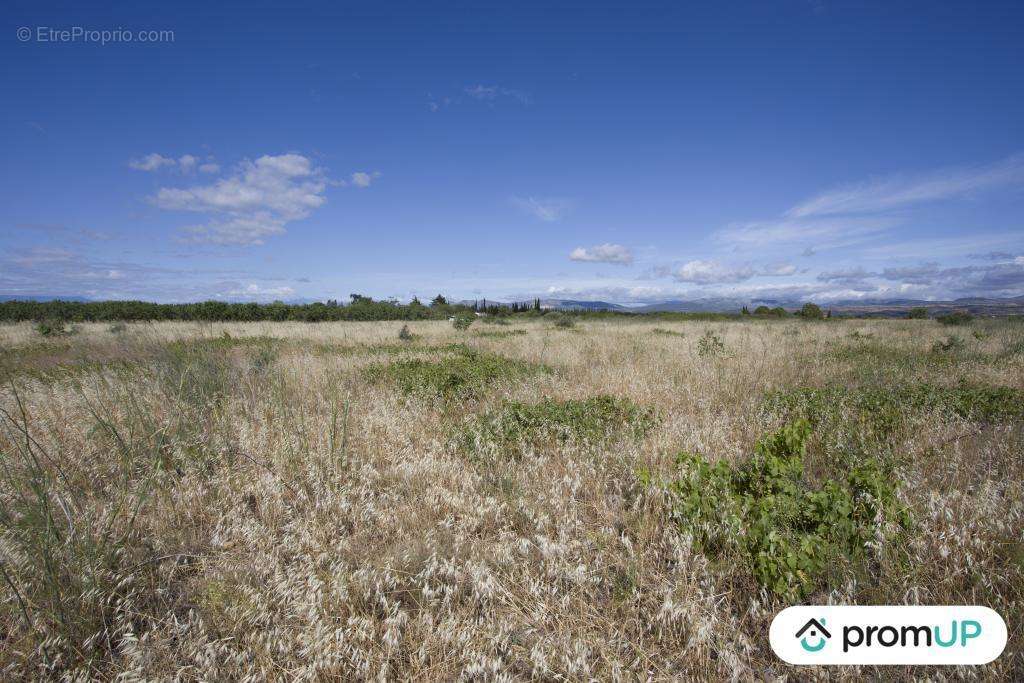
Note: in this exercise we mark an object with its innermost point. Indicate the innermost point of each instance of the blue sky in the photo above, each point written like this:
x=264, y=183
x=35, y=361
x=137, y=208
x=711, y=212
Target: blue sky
x=629, y=152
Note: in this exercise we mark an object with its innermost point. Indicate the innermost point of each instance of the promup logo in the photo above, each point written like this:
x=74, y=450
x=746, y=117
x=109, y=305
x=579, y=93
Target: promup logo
x=888, y=635
x=817, y=630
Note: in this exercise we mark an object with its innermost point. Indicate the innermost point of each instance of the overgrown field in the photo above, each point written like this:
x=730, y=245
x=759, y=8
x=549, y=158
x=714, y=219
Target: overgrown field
x=589, y=500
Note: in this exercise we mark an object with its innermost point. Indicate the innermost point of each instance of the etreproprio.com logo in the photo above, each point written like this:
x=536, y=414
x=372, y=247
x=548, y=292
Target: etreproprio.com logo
x=888, y=634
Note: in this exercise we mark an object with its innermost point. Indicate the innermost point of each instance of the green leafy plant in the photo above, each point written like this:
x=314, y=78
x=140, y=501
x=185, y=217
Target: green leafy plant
x=466, y=373
x=500, y=334
x=950, y=344
x=918, y=313
x=955, y=318
x=561, y=320
x=53, y=327
x=811, y=311
x=462, y=321
x=880, y=412
x=405, y=335
x=710, y=345
x=516, y=425
x=793, y=537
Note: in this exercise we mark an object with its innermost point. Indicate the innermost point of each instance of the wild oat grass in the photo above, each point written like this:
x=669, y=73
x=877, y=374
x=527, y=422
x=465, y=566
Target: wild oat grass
x=283, y=501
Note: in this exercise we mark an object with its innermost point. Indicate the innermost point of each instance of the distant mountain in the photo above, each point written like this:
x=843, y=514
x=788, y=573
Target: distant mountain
x=574, y=305
x=716, y=305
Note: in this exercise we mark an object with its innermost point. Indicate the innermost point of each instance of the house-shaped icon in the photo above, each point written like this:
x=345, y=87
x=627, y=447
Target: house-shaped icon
x=814, y=624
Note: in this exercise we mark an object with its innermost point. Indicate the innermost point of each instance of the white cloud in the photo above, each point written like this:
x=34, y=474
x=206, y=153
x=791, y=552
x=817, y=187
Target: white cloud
x=361, y=179
x=257, y=201
x=151, y=162
x=711, y=272
x=779, y=270
x=186, y=163
x=489, y=93
x=603, y=253
x=816, y=234
x=548, y=210
x=256, y=292
x=899, y=191
x=35, y=256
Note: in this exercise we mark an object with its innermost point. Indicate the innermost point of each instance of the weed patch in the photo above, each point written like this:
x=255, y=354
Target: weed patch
x=515, y=425
x=499, y=334
x=882, y=411
x=468, y=372
x=793, y=537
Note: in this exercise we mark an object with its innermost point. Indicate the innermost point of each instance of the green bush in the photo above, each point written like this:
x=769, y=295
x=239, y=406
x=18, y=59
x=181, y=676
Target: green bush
x=592, y=420
x=500, y=334
x=793, y=537
x=561, y=320
x=405, y=335
x=880, y=412
x=462, y=321
x=811, y=311
x=950, y=344
x=918, y=313
x=955, y=318
x=710, y=345
x=495, y=320
x=777, y=312
x=466, y=373
x=53, y=327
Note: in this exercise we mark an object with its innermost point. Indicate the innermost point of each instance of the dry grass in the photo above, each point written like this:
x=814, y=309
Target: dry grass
x=175, y=502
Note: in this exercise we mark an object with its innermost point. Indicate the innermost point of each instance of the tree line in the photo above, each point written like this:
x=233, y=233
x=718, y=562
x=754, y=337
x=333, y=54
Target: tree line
x=360, y=307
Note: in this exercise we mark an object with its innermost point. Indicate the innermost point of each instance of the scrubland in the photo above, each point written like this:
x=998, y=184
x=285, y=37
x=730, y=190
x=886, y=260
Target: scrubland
x=606, y=500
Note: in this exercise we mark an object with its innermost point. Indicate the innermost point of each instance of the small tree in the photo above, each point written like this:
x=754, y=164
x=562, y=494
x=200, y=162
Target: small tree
x=762, y=310
x=810, y=311
x=955, y=318
x=462, y=321
x=918, y=313
x=439, y=301
x=744, y=311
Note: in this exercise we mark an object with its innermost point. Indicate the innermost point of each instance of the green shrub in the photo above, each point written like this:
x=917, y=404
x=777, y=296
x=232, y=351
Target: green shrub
x=592, y=420
x=918, y=313
x=710, y=345
x=466, y=373
x=880, y=412
x=405, y=335
x=495, y=320
x=777, y=312
x=955, y=318
x=462, y=321
x=950, y=344
x=811, y=311
x=500, y=334
x=561, y=320
x=793, y=537
x=53, y=327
